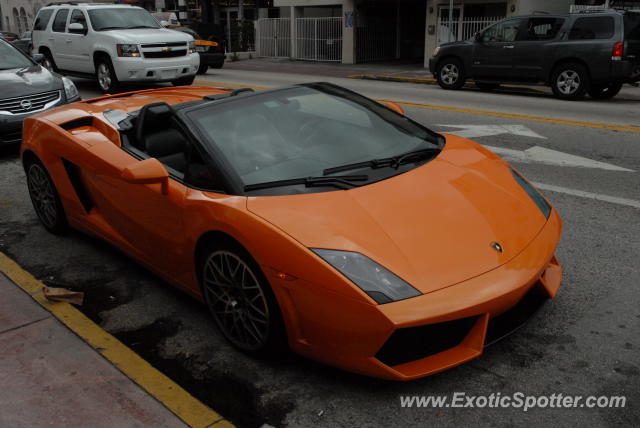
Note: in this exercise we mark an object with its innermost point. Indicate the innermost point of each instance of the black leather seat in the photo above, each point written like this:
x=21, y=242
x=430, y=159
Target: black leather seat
x=157, y=136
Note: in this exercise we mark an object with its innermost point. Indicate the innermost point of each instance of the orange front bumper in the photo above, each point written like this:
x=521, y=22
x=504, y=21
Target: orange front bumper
x=351, y=334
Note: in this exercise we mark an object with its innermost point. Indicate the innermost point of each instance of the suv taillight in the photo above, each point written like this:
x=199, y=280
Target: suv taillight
x=618, y=51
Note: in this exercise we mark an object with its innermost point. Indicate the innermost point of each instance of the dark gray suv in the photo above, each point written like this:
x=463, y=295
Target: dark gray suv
x=575, y=54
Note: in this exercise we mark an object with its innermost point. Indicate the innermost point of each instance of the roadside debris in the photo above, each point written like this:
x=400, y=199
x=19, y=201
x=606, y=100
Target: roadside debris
x=56, y=294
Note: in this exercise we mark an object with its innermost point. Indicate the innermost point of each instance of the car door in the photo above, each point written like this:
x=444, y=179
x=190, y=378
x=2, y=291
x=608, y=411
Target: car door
x=146, y=219
x=493, y=53
x=536, y=44
x=77, y=45
x=58, y=39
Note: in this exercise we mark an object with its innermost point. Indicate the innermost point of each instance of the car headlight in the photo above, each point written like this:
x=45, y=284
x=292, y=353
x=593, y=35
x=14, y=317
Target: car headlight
x=70, y=89
x=380, y=284
x=436, y=51
x=128, y=50
x=539, y=200
x=202, y=48
x=192, y=46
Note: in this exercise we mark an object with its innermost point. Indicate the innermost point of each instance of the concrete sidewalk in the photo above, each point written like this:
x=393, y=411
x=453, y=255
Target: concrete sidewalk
x=49, y=376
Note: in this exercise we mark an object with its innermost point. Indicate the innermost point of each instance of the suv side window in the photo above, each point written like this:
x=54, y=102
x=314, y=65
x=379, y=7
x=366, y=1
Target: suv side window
x=60, y=21
x=540, y=29
x=77, y=17
x=43, y=20
x=595, y=27
x=505, y=31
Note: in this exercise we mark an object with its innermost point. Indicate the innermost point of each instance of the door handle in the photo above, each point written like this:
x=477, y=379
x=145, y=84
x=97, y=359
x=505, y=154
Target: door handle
x=68, y=40
x=508, y=47
x=51, y=39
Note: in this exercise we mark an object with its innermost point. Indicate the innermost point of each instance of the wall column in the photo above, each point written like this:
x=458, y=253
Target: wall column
x=349, y=32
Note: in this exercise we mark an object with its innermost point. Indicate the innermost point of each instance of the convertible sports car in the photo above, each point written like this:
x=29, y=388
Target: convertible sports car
x=306, y=215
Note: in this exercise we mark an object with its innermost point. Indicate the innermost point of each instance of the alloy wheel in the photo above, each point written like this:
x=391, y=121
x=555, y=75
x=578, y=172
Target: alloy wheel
x=42, y=195
x=104, y=76
x=236, y=299
x=568, y=82
x=450, y=74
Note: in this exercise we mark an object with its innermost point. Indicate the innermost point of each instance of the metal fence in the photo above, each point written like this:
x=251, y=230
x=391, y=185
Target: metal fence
x=318, y=39
x=274, y=37
x=463, y=29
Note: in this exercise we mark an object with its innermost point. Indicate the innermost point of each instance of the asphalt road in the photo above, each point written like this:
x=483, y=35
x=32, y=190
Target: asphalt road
x=584, y=342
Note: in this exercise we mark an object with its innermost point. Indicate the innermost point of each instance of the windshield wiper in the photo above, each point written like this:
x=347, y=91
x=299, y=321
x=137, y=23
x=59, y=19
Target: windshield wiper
x=140, y=26
x=112, y=28
x=391, y=162
x=341, y=182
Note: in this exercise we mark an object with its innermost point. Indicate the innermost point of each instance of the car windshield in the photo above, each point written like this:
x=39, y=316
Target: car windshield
x=304, y=130
x=121, y=18
x=10, y=58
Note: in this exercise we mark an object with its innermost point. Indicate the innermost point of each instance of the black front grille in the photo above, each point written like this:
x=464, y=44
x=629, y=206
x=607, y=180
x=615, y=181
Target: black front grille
x=169, y=54
x=28, y=103
x=510, y=321
x=162, y=45
x=413, y=343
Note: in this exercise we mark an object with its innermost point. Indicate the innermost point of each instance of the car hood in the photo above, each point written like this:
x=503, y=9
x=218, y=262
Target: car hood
x=144, y=36
x=26, y=81
x=433, y=226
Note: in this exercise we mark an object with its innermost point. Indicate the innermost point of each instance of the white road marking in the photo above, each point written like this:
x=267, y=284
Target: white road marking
x=475, y=131
x=533, y=154
x=589, y=195
x=552, y=157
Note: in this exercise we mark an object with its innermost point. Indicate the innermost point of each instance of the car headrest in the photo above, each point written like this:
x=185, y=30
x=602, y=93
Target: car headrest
x=152, y=118
x=165, y=143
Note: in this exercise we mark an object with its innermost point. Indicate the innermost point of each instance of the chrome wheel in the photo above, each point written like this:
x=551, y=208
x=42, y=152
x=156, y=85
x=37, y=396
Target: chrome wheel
x=450, y=74
x=42, y=195
x=568, y=82
x=104, y=76
x=236, y=299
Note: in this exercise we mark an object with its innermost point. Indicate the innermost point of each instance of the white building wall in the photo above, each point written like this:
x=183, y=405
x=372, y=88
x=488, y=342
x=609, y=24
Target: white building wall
x=30, y=7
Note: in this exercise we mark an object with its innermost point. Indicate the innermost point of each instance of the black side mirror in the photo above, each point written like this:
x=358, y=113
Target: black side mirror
x=39, y=58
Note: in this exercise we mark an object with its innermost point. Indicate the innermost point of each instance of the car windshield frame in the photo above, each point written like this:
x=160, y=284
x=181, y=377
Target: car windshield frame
x=233, y=177
x=9, y=49
x=121, y=12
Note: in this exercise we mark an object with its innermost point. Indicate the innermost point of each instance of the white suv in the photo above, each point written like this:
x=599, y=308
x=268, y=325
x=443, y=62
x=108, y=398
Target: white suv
x=115, y=43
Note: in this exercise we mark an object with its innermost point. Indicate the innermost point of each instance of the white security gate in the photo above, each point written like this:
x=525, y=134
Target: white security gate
x=463, y=28
x=274, y=37
x=318, y=39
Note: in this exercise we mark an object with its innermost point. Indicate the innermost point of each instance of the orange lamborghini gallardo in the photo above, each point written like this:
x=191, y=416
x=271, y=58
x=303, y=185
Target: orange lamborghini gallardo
x=307, y=216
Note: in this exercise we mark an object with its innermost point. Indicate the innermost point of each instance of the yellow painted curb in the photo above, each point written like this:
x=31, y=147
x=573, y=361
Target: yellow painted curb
x=555, y=121
x=180, y=402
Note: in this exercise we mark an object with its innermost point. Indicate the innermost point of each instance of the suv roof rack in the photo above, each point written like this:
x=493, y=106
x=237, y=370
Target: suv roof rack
x=75, y=3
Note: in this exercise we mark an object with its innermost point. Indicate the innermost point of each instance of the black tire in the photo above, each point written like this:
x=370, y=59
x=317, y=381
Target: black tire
x=45, y=198
x=483, y=86
x=202, y=69
x=107, y=79
x=605, y=92
x=184, y=81
x=48, y=62
x=450, y=74
x=247, y=315
x=570, y=81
